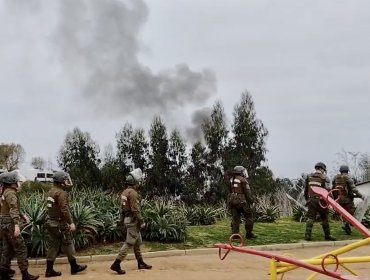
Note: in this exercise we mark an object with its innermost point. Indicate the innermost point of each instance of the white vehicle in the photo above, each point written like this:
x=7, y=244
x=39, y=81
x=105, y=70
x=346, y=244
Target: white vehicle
x=44, y=177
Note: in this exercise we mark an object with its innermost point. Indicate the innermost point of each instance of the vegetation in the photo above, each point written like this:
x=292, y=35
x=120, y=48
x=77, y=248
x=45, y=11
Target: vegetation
x=170, y=224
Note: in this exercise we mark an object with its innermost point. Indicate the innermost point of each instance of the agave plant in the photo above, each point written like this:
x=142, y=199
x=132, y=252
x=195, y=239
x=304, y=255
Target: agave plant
x=33, y=205
x=165, y=221
x=87, y=225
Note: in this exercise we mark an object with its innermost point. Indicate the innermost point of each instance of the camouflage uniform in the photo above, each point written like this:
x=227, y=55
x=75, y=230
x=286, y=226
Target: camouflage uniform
x=58, y=226
x=11, y=217
x=133, y=221
x=348, y=192
x=240, y=204
x=316, y=179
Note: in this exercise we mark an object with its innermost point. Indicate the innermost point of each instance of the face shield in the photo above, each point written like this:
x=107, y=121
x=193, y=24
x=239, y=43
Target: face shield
x=68, y=181
x=245, y=174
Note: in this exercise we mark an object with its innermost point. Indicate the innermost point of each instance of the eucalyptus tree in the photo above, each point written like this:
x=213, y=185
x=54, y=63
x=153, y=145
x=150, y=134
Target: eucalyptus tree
x=247, y=147
x=79, y=156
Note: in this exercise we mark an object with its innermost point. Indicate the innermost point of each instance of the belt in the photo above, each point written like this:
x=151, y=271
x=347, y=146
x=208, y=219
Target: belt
x=314, y=196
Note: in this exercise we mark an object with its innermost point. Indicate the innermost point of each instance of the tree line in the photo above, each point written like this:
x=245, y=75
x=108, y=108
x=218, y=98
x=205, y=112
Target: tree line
x=171, y=165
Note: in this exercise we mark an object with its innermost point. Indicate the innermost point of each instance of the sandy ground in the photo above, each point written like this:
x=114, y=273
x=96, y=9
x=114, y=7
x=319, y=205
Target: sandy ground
x=235, y=266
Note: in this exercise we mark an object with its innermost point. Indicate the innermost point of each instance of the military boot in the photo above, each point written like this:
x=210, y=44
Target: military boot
x=308, y=231
x=76, y=268
x=50, y=272
x=27, y=276
x=4, y=275
x=116, y=266
x=347, y=229
x=142, y=265
x=326, y=230
x=250, y=235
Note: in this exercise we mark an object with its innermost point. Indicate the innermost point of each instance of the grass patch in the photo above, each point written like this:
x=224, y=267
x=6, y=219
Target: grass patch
x=281, y=231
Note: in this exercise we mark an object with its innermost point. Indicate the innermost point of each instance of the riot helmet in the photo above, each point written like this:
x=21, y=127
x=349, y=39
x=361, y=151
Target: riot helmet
x=134, y=177
x=241, y=170
x=10, y=178
x=62, y=177
x=320, y=165
x=343, y=169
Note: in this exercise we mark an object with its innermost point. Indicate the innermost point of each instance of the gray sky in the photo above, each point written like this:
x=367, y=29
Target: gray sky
x=97, y=64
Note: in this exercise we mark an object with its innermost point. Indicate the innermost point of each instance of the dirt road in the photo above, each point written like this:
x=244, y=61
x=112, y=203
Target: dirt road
x=235, y=267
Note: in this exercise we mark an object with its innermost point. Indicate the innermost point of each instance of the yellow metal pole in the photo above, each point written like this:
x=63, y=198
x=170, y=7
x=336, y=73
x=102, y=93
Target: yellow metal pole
x=349, y=270
x=313, y=276
x=272, y=270
x=341, y=260
x=288, y=267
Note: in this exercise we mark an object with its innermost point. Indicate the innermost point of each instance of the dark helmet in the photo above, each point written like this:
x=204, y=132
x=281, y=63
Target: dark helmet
x=10, y=177
x=62, y=177
x=241, y=170
x=343, y=169
x=320, y=165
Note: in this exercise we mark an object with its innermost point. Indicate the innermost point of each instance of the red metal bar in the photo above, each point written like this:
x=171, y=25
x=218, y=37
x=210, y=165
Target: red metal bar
x=281, y=258
x=347, y=216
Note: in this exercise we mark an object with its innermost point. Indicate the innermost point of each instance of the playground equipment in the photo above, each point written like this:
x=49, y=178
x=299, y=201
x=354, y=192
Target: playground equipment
x=281, y=264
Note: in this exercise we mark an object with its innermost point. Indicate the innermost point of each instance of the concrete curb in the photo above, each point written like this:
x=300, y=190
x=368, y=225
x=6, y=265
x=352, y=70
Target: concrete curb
x=194, y=252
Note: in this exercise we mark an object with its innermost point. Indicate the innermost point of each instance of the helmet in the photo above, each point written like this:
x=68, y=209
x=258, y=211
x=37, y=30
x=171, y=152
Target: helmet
x=241, y=170
x=320, y=165
x=10, y=177
x=343, y=169
x=62, y=177
x=134, y=177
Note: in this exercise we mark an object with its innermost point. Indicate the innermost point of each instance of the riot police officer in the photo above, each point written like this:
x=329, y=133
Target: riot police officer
x=316, y=179
x=133, y=221
x=10, y=220
x=348, y=192
x=60, y=225
x=240, y=201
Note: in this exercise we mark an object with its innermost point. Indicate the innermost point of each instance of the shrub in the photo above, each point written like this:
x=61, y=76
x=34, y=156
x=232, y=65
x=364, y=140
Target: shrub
x=165, y=221
x=265, y=210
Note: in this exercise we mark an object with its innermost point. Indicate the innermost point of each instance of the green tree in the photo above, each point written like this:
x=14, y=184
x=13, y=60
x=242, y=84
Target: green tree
x=215, y=133
x=11, y=155
x=112, y=177
x=197, y=174
x=79, y=156
x=158, y=169
x=38, y=163
x=124, y=137
x=177, y=160
x=138, y=149
x=247, y=147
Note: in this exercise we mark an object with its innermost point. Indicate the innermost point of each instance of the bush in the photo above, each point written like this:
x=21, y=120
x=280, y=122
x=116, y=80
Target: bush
x=165, y=221
x=265, y=210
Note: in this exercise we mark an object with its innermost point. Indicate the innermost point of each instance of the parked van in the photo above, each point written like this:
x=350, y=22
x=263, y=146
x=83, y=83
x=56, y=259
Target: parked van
x=45, y=177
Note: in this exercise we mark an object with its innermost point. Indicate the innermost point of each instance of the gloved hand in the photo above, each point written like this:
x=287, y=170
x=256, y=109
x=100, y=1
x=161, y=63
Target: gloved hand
x=17, y=231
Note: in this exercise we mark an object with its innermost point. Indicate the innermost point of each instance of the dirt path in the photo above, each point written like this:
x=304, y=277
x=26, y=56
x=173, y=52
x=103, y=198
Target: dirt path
x=235, y=267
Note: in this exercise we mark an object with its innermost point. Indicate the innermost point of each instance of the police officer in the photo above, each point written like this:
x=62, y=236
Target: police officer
x=10, y=227
x=11, y=272
x=316, y=179
x=240, y=201
x=60, y=225
x=348, y=192
x=133, y=221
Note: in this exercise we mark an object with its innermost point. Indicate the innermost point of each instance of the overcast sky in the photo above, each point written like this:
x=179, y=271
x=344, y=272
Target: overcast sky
x=97, y=64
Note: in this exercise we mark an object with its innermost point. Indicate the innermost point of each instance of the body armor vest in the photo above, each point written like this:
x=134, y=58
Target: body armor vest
x=340, y=182
x=315, y=180
x=236, y=185
x=54, y=211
